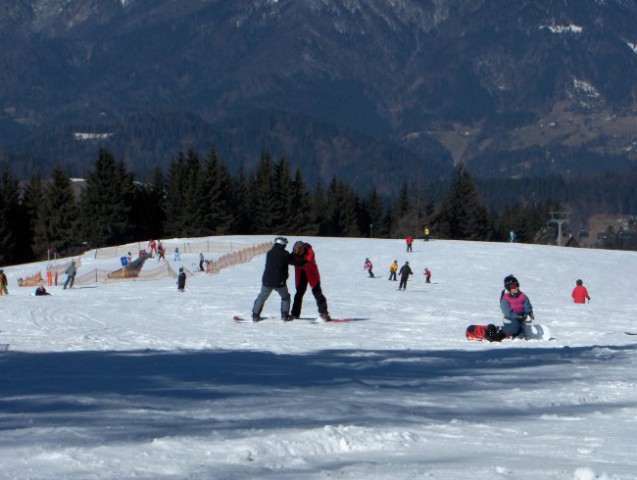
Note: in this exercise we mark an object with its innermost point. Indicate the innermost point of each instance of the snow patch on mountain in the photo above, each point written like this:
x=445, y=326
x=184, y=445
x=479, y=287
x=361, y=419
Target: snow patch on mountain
x=563, y=28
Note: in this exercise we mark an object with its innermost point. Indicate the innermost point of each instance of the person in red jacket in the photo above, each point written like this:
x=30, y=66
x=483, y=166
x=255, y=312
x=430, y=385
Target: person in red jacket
x=409, y=240
x=306, y=271
x=580, y=294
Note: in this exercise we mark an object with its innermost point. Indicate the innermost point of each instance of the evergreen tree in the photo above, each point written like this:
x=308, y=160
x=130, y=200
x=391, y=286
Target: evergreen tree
x=217, y=194
x=462, y=214
x=148, y=213
x=374, y=215
x=178, y=177
x=106, y=202
x=262, y=197
x=57, y=216
x=342, y=210
x=195, y=208
x=300, y=215
x=13, y=223
x=318, y=205
x=32, y=200
x=240, y=203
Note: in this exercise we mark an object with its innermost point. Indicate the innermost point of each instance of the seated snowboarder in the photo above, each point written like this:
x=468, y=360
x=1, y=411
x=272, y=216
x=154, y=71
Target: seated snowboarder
x=516, y=307
x=41, y=291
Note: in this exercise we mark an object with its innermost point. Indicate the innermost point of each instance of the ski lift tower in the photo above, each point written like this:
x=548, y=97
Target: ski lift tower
x=559, y=219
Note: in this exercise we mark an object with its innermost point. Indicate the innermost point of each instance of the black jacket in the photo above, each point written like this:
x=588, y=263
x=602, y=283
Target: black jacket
x=405, y=271
x=276, y=266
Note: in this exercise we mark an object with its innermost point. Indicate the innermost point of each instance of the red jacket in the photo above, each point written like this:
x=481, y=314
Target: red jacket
x=409, y=240
x=310, y=268
x=580, y=294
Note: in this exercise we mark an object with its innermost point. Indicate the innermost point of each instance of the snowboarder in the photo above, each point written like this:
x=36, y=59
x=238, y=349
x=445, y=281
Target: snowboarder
x=275, y=277
x=177, y=255
x=426, y=232
x=306, y=271
x=3, y=283
x=515, y=306
x=409, y=240
x=404, y=273
x=71, y=271
x=393, y=268
x=580, y=293
x=40, y=291
x=181, y=279
x=427, y=275
x=368, y=266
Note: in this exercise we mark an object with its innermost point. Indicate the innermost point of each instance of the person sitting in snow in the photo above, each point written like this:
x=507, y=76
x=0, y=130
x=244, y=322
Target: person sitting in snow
x=40, y=291
x=579, y=293
x=515, y=306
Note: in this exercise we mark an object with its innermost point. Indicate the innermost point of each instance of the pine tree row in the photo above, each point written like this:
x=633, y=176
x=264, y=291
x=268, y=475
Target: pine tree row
x=199, y=197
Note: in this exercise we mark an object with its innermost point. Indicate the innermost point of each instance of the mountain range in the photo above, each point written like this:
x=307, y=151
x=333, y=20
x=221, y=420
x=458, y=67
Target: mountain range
x=376, y=92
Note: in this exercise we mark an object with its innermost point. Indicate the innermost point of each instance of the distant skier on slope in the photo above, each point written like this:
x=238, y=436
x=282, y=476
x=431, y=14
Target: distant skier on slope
x=580, y=293
x=404, y=273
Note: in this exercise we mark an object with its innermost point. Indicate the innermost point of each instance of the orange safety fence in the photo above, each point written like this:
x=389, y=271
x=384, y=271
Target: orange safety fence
x=166, y=270
x=32, y=281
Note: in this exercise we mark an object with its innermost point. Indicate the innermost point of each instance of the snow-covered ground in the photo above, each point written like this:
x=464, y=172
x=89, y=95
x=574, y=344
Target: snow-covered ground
x=137, y=380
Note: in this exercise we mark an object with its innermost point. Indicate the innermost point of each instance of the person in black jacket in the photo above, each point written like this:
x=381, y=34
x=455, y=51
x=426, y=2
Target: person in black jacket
x=181, y=279
x=404, y=273
x=275, y=277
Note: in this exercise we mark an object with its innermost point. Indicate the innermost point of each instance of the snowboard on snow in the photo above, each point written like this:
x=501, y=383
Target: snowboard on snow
x=492, y=332
x=240, y=319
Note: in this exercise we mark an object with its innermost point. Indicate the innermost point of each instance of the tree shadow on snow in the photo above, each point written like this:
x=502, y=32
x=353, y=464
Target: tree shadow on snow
x=144, y=394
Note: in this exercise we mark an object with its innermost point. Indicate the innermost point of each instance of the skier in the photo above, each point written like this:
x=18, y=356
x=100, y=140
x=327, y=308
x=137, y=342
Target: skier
x=393, y=268
x=161, y=252
x=409, y=241
x=515, y=306
x=368, y=266
x=426, y=231
x=71, y=271
x=404, y=273
x=275, y=277
x=201, y=260
x=427, y=275
x=580, y=293
x=3, y=283
x=177, y=255
x=152, y=246
x=181, y=279
x=40, y=291
x=306, y=271
x=512, y=236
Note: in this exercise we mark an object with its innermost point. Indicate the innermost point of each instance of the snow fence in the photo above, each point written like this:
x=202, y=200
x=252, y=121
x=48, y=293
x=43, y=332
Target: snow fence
x=233, y=254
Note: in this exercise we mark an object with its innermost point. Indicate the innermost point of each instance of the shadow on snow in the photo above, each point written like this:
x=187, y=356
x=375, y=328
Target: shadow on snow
x=145, y=394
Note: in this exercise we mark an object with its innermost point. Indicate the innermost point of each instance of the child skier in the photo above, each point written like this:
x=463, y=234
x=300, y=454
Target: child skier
x=181, y=279
x=427, y=275
x=515, y=306
x=579, y=293
x=368, y=266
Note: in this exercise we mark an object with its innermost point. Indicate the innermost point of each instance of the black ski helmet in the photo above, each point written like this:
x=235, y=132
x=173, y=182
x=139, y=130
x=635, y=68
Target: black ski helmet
x=510, y=281
x=579, y=282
